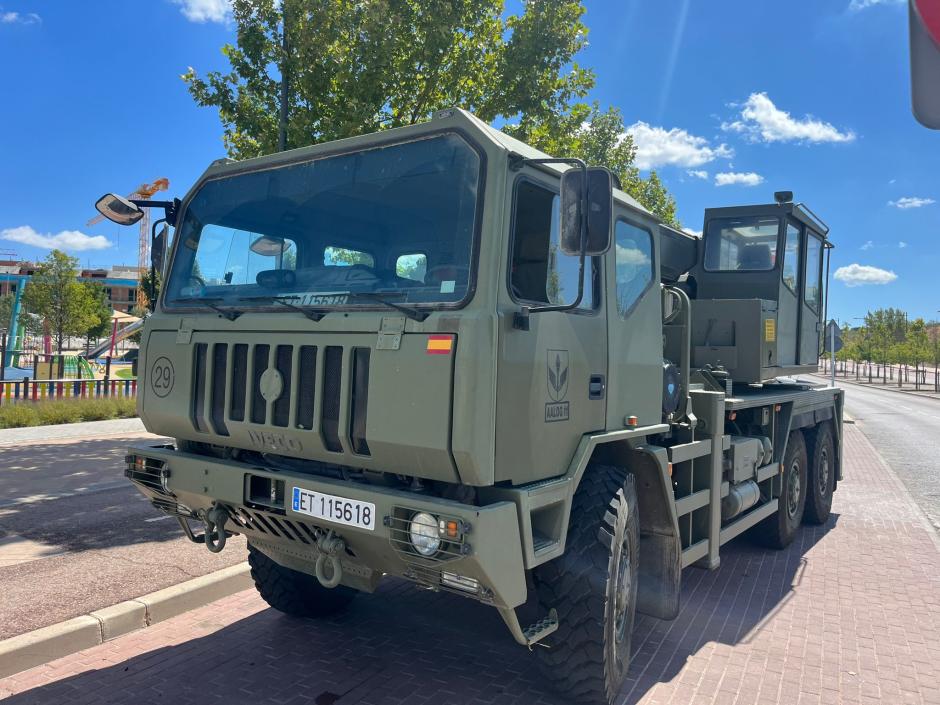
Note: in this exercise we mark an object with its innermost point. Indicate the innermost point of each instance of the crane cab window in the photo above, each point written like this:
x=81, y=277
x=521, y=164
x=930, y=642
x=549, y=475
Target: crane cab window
x=747, y=244
x=812, y=284
x=791, y=257
x=540, y=271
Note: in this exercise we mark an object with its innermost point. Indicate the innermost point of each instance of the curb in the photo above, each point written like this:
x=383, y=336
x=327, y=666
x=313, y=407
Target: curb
x=35, y=648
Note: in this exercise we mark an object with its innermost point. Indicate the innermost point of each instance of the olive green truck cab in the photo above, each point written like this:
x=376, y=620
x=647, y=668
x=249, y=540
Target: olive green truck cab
x=437, y=354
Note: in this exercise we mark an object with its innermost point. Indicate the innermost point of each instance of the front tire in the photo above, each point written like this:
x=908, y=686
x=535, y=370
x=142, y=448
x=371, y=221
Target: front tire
x=777, y=530
x=295, y=593
x=822, y=476
x=593, y=586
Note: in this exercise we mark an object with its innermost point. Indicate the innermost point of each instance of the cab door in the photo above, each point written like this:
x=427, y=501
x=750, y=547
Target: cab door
x=788, y=304
x=811, y=298
x=551, y=378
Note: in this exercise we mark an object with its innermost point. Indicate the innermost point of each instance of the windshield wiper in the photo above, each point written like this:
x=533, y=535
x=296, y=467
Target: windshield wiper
x=314, y=314
x=380, y=297
x=211, y=302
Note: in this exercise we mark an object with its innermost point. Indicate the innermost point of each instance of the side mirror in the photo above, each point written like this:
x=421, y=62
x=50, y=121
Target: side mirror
x=158, y=250
x=594, y=188
x=118, y=210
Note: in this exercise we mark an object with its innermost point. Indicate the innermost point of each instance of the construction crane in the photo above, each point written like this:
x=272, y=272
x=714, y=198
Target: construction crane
x=143, y=192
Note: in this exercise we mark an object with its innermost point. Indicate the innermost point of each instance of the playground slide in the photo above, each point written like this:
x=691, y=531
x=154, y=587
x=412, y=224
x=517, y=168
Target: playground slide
x=104, y=346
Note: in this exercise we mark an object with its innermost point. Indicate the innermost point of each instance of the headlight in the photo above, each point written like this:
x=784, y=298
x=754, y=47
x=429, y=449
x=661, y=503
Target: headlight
x=424, y=534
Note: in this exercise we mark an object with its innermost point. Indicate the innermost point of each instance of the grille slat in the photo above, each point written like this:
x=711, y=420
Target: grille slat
x=259, y=407
x=239, y=382
x=283, y=363
x=219, y=380
x=332, y=388
x=360, y=400
x=306, y=386
x=199, y=391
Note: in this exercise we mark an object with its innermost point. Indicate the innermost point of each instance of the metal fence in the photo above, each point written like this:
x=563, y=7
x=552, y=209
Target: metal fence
x=30, y=390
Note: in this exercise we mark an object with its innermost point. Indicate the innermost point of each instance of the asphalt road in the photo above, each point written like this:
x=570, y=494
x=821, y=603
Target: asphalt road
x=906, y=431
x=75, y=536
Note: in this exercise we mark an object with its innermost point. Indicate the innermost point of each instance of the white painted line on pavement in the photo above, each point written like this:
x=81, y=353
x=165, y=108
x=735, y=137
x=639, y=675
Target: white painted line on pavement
x=160, y=518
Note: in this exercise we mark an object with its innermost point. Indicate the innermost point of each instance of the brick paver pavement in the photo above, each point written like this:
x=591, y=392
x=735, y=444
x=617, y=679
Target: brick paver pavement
x=850, y=613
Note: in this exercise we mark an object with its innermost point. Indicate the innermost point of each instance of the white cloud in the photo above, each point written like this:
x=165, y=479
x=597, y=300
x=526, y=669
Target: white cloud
x=868, y=245
x=18, y=18
x=857, y=5
x=698, y=174
x=762, y=121
x=204, y=10
x=730, y=178
x=695, y=233
x=861, y=274
x=64, y=240
x=911, y=202
x=657, y=146
x=902, y=244
x=631, y=255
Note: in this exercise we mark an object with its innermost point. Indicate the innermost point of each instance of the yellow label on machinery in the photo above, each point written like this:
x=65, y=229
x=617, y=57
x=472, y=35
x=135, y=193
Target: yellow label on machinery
x=770, y=330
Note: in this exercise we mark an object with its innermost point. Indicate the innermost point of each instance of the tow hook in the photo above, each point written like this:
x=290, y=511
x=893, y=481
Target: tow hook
x=331, y=547
x=215, y=528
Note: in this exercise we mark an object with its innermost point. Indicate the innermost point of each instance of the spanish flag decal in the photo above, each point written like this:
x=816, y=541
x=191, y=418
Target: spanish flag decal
x=440, y=344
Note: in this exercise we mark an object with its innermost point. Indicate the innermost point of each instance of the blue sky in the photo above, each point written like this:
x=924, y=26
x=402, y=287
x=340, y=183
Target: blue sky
x=730, y=101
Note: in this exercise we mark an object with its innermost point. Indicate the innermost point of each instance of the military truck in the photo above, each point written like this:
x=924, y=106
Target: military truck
x=438, y=354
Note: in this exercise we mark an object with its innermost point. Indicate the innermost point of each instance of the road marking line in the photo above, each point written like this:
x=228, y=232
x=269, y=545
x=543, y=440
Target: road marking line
x=160, y=518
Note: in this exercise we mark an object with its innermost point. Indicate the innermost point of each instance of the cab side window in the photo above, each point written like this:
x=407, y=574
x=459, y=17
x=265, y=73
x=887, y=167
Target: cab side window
x=791, y=257
x=540, y=271
x=634, y=264
x=812, y=291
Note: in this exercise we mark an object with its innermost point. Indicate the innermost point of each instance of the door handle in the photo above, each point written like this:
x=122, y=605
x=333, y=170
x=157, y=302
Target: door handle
x=596, y=387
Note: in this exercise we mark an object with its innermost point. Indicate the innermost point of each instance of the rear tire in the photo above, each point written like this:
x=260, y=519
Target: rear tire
x=295, y=593
x=593, y=586
x=777, y=530
x=822, y=476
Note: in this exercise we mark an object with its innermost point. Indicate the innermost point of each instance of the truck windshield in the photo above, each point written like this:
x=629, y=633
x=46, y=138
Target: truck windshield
x=395, y=221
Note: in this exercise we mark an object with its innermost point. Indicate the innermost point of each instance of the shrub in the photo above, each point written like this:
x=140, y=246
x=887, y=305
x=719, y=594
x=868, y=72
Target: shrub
x=53, y=412
x=66, y=411
x=17, y=416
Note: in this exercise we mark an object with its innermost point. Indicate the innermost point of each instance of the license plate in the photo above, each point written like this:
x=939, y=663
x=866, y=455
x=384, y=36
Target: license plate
x=338, y=510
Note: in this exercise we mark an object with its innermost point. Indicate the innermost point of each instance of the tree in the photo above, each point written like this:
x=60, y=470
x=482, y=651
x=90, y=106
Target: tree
x=102, y=310
x=6, y=310
x=352, y=67
x=599, y=138
x=53, y=292
x=150, y=283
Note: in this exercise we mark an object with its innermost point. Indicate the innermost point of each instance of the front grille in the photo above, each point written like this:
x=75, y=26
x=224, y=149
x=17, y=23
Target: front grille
x=325, y=391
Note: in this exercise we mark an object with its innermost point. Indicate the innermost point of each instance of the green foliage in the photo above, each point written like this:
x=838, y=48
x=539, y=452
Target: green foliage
x=150, y=284
x=102, y=311
x=67, y=306
x=599, y=138
x=354, y=67
x=889, y=337
x=6, y=310
x=65, y=411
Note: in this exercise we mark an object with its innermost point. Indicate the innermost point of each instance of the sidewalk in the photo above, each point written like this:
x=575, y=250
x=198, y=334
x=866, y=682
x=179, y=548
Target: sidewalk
x=85, y=429
x=850, y=613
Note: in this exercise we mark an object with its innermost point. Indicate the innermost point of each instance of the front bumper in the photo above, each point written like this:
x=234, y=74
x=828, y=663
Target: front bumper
x=488, y=550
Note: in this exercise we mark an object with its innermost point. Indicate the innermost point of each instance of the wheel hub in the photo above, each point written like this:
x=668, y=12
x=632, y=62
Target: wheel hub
x=622, y=594
x=793, y=490
x=823, y=475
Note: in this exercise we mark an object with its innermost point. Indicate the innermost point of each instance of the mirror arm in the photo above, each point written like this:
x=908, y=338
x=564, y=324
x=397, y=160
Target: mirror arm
x=520, y=319
x=170, y=208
